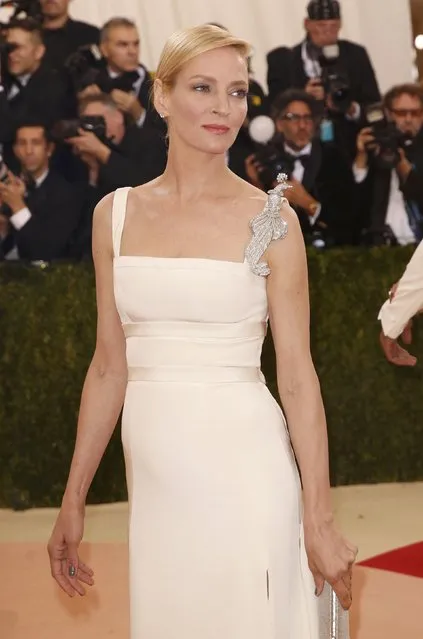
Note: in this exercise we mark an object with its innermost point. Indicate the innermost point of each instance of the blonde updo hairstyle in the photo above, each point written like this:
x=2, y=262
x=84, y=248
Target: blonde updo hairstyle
x=186, y=44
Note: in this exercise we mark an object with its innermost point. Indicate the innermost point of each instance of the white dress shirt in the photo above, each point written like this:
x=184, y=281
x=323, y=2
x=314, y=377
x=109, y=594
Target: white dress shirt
x=298, y=172
x=408, y=299
x=396, y=215
x=15, y=88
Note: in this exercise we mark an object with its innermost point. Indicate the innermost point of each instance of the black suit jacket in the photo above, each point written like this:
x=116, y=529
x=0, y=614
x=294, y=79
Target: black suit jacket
x=139, y=158
x=43, y=99
x=374, y=192
x=142, y=91
x=286, y=70
x=329, y=179
x=61, y=43
x=50, y=234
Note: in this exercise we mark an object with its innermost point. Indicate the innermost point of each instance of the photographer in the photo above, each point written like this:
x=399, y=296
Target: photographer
x=63, y=35
x=29, y=88
x=125, y=156
x=40, y=212
x=388, y=168
x=320, y=177
x=120, y=74
x=338, y=73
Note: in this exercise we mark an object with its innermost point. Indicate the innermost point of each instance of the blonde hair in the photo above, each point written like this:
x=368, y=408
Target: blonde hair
x=187, y=44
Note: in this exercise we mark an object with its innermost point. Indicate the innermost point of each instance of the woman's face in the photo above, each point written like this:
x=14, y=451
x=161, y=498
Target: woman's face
x=208, y=103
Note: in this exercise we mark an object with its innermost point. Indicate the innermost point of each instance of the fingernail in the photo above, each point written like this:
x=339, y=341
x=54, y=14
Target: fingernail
x=72, y=570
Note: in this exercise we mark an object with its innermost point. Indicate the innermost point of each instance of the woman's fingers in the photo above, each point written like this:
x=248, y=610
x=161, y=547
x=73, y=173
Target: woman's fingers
x=86, y=568
x=85, y=575
x=343, y=593
x=73, y=580
x=59, y=577
x=319, y=582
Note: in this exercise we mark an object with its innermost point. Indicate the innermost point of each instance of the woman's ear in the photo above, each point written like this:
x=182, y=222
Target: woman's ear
x=160, y=99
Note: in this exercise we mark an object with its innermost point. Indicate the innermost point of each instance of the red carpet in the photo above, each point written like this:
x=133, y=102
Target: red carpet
x=406, y=561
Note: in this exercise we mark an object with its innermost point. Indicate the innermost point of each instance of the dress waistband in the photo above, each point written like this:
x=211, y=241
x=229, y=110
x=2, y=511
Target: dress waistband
x=243, y=330
x=192, y=374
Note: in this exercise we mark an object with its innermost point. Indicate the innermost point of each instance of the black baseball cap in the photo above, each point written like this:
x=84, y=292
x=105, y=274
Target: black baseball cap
x=324, y=10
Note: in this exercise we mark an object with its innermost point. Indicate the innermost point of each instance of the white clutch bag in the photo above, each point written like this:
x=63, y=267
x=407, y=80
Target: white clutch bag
x=333, y=619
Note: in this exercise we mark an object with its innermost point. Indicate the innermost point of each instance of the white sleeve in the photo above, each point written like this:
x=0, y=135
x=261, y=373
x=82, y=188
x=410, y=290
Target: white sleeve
x=408, y=299
x=20, y=218
x=359, y=174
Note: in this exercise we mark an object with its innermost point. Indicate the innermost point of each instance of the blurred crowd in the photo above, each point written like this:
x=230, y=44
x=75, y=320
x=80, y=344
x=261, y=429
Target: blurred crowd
x=76, y=122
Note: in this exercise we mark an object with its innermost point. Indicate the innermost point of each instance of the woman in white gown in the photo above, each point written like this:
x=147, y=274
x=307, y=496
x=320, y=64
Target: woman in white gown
x=225, y=543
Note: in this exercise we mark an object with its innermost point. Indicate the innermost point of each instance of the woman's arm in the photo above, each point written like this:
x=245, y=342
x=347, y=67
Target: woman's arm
x=104, y=388
x=330, y=557
x=298, y=384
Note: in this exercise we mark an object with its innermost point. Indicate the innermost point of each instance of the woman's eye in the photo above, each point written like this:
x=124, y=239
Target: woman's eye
x=241, y=93
x=201, y=87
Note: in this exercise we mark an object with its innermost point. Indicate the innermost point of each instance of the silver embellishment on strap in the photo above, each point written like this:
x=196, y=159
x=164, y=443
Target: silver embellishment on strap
x=267, y=226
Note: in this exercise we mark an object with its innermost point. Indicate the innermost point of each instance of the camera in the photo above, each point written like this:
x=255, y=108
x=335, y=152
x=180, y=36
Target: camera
x=271, y=163
x=387, y=138
x=87, y=66
x=334, y=80
x=269, y=157
x=7, y=47
x=65, y=129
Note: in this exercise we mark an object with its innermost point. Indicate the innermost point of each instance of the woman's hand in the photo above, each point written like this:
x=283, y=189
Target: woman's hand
x=66, y=567
x=330, y=558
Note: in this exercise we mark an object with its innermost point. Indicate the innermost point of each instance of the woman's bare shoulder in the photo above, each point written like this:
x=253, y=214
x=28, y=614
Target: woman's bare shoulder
x=145, y=192
x=251, y=198
x=102, y=216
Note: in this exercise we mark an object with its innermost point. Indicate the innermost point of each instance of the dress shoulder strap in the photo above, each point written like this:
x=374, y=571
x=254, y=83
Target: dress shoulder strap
x=120, y=199
x=266, y=227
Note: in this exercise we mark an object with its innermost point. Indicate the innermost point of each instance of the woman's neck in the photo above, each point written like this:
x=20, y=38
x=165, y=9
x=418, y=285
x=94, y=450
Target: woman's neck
x=192, y=174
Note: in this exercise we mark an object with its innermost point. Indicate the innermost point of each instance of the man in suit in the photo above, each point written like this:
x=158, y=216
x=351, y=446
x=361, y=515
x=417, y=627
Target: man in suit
x=128, y=156
x=405, y=301
x=40, y=212
x=29, y=88
x=122, y=76
x=301, y=67
x=319, y=174
x=62, y=34
x=391, y=193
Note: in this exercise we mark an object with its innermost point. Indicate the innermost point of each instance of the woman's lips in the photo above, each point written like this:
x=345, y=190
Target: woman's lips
x=217, y=129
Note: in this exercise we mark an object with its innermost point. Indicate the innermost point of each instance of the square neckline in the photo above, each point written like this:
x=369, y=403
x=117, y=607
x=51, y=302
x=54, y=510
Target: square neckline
x=118, y=223
x=268, y=222
x=164, y=258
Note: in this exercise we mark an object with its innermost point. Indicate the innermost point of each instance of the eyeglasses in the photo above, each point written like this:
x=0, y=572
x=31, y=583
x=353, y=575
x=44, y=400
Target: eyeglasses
x=296, y=117
x=402, y=113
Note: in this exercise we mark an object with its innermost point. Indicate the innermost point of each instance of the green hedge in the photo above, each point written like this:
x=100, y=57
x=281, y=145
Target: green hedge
x=47, y=332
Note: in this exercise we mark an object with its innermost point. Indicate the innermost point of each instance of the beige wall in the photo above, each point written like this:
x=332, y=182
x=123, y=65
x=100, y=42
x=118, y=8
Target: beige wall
x=384, y=26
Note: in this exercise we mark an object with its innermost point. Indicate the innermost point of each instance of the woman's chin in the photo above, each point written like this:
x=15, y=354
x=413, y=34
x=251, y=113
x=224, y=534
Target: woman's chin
x=218, y=145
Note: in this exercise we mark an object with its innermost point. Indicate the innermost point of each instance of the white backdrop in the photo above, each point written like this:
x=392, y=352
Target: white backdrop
x=383, y=26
